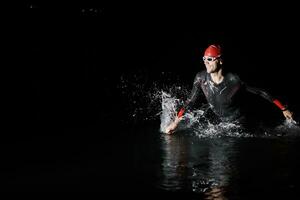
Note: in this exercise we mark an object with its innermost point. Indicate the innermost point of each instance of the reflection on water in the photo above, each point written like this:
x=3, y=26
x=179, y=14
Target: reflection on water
x=198, y=165
x=229, y=167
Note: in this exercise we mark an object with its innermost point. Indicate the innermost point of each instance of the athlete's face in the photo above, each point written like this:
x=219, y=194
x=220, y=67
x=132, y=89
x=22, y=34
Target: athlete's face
x=212, y=64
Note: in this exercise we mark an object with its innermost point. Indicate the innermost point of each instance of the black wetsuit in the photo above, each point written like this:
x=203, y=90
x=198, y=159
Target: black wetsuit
x=226, y=98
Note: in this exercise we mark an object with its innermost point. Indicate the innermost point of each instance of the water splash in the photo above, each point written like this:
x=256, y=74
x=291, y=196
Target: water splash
x=157, y=100
x=198, y=124
x=222, y=129
x=195, y=120
x=143, y=98
x=288, y=128
x=169, y=107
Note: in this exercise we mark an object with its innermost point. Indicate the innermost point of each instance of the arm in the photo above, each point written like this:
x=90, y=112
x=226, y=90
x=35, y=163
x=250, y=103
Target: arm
x=188, y=104
x=287, y=114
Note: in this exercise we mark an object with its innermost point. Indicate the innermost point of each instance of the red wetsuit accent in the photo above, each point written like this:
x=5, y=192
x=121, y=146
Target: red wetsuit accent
x=279, y=104
x=180, y=113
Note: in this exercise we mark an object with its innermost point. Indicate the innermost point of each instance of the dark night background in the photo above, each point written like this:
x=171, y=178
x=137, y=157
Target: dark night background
x=67, y=61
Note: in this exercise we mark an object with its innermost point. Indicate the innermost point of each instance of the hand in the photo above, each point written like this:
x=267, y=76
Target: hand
x=288, y=114
x=171, y=128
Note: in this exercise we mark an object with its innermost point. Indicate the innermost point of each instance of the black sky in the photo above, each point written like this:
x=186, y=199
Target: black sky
x=69, y=56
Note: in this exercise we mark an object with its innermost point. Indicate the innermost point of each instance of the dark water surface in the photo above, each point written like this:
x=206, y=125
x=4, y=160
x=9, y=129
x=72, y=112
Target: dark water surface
x=141, y=159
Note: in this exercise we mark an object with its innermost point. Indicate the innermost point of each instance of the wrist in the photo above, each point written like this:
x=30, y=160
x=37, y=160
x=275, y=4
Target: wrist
x=177, y=119
x=280, y=105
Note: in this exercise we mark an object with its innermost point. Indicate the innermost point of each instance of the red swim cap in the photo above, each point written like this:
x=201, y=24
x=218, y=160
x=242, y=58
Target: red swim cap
x=213, y=51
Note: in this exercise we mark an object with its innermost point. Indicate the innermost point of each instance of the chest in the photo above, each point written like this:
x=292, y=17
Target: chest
x=222, y=93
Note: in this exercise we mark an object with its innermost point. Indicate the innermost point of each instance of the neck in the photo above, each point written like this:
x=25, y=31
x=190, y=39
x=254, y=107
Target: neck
x=217, y=77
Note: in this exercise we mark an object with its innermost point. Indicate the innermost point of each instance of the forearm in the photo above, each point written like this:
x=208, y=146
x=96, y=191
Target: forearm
x=189, y=103
x=287, y=114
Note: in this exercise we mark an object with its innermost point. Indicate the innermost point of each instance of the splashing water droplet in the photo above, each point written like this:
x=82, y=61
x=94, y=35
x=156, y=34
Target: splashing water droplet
x=169, y=106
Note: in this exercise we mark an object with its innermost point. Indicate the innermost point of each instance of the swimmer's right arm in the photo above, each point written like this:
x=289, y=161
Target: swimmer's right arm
x=171, y=128
x=191, y=100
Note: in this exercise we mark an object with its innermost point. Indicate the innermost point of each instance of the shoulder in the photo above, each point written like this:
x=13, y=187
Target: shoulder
x=201, y=75
x=233, y=78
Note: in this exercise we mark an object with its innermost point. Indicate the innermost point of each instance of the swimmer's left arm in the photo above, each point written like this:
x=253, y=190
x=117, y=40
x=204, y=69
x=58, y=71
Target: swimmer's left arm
x=285, y=111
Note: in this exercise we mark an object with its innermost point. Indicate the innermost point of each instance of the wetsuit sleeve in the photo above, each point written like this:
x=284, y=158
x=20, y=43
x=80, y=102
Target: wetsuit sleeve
x=266, y=96
x=196, y=90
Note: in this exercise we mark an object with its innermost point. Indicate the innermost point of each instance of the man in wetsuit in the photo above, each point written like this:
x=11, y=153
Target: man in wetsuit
x=223, y=91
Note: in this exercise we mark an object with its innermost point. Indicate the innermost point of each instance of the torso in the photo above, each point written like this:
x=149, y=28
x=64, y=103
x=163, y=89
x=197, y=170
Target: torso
x=222, y=97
